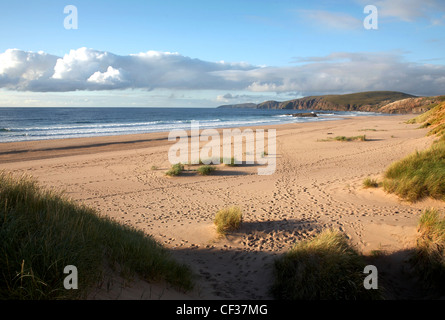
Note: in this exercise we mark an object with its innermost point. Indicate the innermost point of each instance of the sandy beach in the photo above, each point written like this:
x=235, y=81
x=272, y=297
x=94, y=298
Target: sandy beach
x=317, y=184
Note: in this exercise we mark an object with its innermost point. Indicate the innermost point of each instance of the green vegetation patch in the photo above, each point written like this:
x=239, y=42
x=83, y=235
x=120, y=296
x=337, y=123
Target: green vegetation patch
x=429, y=258
x=370, y=183
x=325, y=267
x=367, y=98
x=347, y=139
x=42, y=232
x=175, y=170
x=228, y=219
x=424, y=116
x=205, y=170
x=433, y=118
x=374, y=130
x=422, y=174
x=419, y=175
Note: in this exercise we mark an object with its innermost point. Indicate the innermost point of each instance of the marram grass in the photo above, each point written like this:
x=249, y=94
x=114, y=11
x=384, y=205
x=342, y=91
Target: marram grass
x=205, y=170
x=228, y=219
x=42, y=231
x=422, y=174
x=175, y=170
x=370, y=183
x=326, y=267
x=419, y=175
x=429, y=257
x=346, y=139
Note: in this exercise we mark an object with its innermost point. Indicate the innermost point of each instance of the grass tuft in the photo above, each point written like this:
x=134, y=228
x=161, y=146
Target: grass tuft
x=325, y=267
x=370, y=183
x=346, y=139
x=42, y=231
x=228, y=219
x=419, y=175
x=175, y=170
x=205, y=170
x=429, y=257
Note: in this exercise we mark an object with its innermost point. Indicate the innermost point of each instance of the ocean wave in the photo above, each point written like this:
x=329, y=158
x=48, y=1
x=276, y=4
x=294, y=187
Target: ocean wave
x=64, y=128
x=68, y=127
x=282, y=116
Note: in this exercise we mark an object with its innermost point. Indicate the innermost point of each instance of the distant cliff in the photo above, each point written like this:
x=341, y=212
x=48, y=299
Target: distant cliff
x=375, y=101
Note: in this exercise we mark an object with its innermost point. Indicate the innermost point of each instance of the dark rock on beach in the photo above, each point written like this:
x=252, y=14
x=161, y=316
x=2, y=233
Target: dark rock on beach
x=307, y=114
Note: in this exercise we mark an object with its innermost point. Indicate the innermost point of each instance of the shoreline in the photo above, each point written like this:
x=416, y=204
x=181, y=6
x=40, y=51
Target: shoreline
x=36, y=149
x=317, y=185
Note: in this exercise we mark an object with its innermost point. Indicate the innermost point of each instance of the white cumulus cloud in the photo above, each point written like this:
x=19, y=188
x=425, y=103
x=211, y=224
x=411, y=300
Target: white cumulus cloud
x=110, y=77
x=20, y=67
x=339, y=72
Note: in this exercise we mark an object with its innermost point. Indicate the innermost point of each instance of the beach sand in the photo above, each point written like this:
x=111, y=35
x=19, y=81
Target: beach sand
x=317, y=185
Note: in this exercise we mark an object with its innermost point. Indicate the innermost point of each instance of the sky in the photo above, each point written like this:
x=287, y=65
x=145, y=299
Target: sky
x=208, y=53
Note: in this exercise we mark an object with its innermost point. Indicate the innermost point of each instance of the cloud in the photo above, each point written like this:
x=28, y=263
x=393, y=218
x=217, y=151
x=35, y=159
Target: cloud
x=352, y=73
x=239, y=98
x=410, y=10
x=88, y=69
x=335, y=20
x=19, y=67
x=342, y=57
x=110, y=77
x=339, y=72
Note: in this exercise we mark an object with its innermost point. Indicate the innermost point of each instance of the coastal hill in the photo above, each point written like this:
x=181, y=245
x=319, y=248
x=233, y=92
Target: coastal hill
x=375, y=101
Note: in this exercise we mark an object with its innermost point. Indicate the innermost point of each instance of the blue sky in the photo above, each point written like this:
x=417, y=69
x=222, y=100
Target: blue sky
x=271, y=50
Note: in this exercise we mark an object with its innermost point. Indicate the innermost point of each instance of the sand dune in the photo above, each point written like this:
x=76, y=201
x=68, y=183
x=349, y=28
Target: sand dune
x=317, y=185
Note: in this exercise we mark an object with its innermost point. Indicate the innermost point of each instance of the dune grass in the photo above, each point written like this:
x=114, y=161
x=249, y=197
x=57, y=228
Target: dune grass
x=371, y=129
x=175, y=170
x=419, y=175
x=427, y=115
x=354, y=138
x=42, y=231
x=423, y=117
x=205, y=170
x=370, y=183
x=228, y=219
x=221, y=160
x=346, y=139
x=433, y=118
x=429, y=257
x=325, y=267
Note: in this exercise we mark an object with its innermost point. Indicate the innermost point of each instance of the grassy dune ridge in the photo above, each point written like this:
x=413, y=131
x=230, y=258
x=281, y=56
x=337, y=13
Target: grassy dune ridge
x=421, y=174
x=42, y=231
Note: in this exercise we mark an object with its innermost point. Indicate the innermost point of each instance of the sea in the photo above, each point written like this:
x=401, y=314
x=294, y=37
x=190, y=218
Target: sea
x=28, y=124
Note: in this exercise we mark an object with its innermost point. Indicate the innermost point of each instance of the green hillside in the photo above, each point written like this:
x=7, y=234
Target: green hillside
x=374, y=101
x=367, y=98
